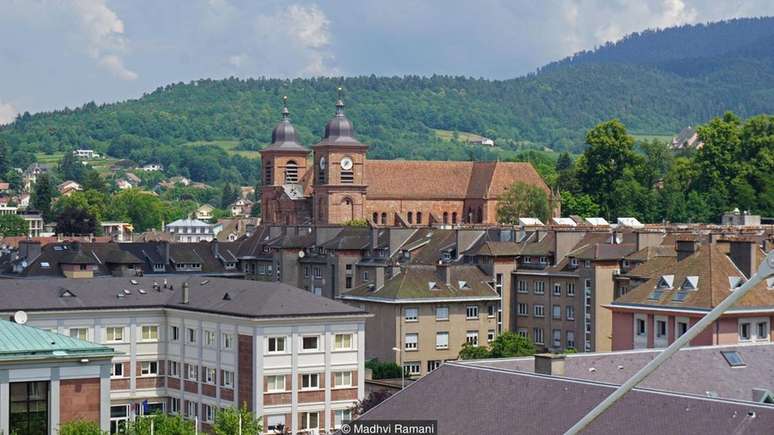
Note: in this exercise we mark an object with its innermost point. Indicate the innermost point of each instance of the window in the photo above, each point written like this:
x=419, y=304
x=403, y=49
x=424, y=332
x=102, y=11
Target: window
x=317, y=272
x=275, y=423
x=115, y=333
x=365, y=275
x=209, y=338
x=540, y=287
x=762, y=330
x=208, y=413
x=570, y=289
x=348, y=282
x=227, y=341
x=410, y=216
x=641, y=330
x=341, y=417
x=310, y=343
x=754, y=329
x=733, y=358
x=410, y=341
x=522, y=309
x=275, y=383
x=521, y=286
x=174, y=369
x=117, y=370
x=174, y=405
x=342, y=379
x=527, y=260
x=661, y=328
x=190, y=335
x=588, y=284
x=557, y=338
x=277, y=344
x=149, y=368
x=471, y=337
x=410, y=314
x=587, y=264
x=571, y=339
x=307, y=272
x=192, y=372
x=342, y=342
x=556, y=312
x=412, y=368
x=441, y=313
x=209, y=375
x=149, y=332
x=291, y=172
x=491, y=310
x=471, y=312
x=191, y=409
x=522, y=332
x=432, y=365
x=227, y=378
x=441, y=340
x=310, y=420
x=28, y=408
x=537, y=333
x=569, y=312
x=682, y=326
x=538, y=310
x=543, y=260
x=174, y=333
x=557, y=289
x=490, y=336
x=119, y=417
x=80, y=333
x=310, y=381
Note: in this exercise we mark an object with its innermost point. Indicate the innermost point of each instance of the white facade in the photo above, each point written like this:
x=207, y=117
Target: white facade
x=218, y=341
x=191, y=231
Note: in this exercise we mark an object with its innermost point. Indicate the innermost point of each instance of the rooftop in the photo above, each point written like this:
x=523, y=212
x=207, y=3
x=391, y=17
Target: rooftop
x=21, y=342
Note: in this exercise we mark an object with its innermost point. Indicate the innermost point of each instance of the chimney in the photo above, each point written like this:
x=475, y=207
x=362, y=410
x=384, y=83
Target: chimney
x=686, y=248
x=186, y=293
x=445, y=271
x=549, y=364
x=374, y=239
x=215, y=248
x=564, y=242
x=742, y=253
x=647, y=239
x=29, y=249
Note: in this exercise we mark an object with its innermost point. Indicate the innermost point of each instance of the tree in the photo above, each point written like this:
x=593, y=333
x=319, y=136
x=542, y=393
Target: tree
x=522, y=200
x=80, y=427
x=510, y=344
x=227, y=422
x=13, y=225
x=564, y=162
x=370, y=401
x=4, y=158
x=580, y=204
x=470, y=351
x=383, y=370
x=70, y=167
x=76, y=221
x=610, y=153
x=163, y=424
x=92, y=180
x=228, y=196
x=42, y=196
x=142, y=209
x=94, y=202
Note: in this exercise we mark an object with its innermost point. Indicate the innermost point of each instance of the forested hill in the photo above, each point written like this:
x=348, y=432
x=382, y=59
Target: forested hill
x=655, y=82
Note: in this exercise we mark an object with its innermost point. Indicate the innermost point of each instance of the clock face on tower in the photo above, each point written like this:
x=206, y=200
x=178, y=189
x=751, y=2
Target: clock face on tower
x=322, y=162
x=346, y=163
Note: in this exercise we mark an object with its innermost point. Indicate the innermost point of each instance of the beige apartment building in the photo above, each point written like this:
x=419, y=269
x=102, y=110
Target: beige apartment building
x=424, y=314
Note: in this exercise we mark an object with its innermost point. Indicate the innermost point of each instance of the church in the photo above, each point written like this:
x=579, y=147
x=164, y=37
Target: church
x=334, y=183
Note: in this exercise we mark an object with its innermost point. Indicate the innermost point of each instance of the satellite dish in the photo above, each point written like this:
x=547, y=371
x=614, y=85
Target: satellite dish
x=20, y=317
x=301, y=254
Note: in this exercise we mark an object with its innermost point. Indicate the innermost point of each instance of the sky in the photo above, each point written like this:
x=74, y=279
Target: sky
x=58, y=53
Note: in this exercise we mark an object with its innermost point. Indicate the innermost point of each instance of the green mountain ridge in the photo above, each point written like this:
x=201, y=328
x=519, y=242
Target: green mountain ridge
x=656, y=82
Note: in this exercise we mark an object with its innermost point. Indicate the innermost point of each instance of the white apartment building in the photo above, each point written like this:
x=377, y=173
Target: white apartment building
x=192, y=230
x=190, y=346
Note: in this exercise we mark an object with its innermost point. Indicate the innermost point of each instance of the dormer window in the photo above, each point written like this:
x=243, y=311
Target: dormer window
x=574, y=262
x=735, y=281
x=527, y=260
x=543, y=260
x=432, y=285
x=665, y=282
x=690, y=283
x=463, y=285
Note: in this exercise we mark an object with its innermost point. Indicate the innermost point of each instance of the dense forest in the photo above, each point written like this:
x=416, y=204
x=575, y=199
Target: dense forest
x=655, y=82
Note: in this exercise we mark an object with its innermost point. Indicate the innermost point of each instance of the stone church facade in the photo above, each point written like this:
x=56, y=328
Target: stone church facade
x=334, y=183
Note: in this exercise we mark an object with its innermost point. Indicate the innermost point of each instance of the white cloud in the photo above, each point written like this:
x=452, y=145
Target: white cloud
x=7, y=113
x=300, y=32
x=115, y=65
x=104, y=35
x=237, y=60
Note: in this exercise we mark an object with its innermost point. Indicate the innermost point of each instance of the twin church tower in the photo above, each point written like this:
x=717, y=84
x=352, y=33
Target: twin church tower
x=337, y=183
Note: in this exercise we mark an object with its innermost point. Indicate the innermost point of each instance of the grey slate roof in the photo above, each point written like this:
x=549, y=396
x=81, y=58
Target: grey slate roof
x=252, y=299
x=467, y=399
x=694, y=370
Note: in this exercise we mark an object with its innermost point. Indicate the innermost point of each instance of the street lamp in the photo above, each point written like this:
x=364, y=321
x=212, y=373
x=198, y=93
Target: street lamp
x=402, y=369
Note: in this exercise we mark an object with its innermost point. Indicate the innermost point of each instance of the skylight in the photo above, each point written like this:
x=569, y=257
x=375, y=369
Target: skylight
x=680, y=296
x=733, y=358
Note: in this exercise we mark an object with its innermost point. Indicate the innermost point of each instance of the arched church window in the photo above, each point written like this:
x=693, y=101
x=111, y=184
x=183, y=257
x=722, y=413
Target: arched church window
x=419, y=217
x=375, y=218
x=410, y=217
x=291, y=172
x=384, y=218
x=446, y=217
x=454, y=217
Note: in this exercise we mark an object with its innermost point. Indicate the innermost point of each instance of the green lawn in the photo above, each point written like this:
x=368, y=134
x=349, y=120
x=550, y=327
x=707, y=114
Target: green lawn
x=226, y=145
x=448, y=134
x=101, y=165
